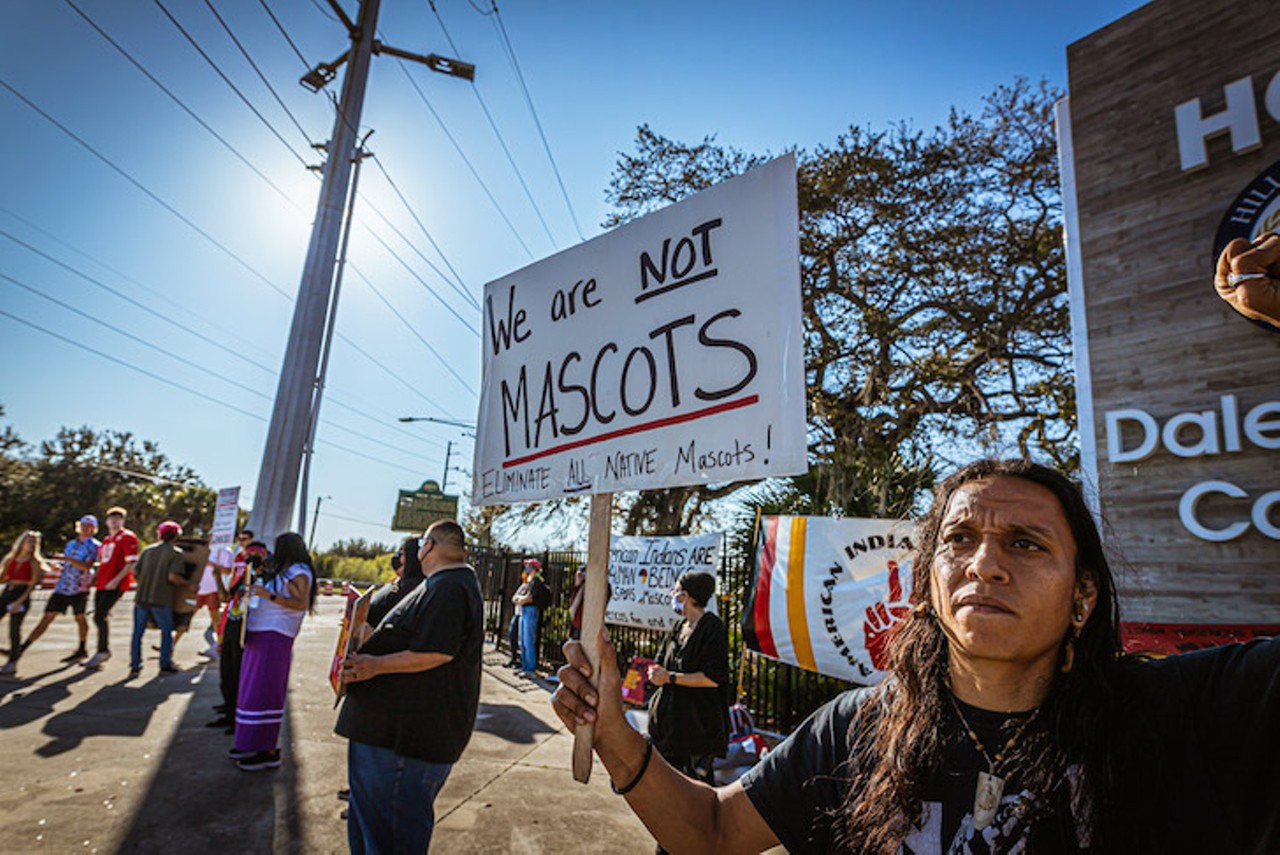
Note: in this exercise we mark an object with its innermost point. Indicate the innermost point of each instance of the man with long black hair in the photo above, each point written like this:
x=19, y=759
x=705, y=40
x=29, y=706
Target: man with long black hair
x=1011, y=721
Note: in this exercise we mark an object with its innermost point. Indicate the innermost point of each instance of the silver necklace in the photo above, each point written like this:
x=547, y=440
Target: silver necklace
x=990, y=788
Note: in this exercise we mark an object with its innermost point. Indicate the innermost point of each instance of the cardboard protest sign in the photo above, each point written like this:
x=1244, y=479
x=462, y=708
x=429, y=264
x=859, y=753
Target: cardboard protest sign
x=223, y=534
x=353, y=621
x=643, y=570
x=826, y=591
x=666, y=352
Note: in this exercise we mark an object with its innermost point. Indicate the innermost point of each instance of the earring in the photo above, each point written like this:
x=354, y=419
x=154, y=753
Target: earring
x=1069, y=655
x=922, y=610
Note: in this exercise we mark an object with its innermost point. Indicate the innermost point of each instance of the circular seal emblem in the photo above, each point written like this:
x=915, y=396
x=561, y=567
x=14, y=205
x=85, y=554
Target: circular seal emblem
x=1255, y=211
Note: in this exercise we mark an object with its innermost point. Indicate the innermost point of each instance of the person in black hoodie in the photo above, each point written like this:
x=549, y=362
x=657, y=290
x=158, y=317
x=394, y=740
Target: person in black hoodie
x=408, y=577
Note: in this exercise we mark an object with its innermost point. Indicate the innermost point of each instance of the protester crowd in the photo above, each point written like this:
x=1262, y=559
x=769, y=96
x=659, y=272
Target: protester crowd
x=1017, y=721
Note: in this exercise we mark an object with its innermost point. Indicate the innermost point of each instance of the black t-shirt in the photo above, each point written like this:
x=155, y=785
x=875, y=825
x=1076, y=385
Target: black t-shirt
x=385, y=598
x=427, y=715
x=688, y=720
x=1203, y=774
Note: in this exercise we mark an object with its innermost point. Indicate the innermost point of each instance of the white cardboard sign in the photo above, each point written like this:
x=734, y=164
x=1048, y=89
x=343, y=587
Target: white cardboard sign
x=643, y=570
x=666, y=352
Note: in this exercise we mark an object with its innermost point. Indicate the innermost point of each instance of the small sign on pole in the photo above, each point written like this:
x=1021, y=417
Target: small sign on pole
x=417, y=509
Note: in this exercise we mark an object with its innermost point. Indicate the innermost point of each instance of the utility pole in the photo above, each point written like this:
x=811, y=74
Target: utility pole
x=309, y=449
x=295, y=402
x=444, y=482
x=315, y=518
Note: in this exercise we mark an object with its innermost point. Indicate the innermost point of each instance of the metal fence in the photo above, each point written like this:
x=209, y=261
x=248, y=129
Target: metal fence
x=778, y=695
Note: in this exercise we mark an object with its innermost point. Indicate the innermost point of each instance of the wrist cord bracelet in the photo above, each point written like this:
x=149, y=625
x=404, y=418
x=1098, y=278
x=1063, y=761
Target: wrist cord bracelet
x=644, y=767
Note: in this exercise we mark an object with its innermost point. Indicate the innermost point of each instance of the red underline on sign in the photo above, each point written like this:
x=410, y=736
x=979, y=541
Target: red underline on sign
x=640, y=428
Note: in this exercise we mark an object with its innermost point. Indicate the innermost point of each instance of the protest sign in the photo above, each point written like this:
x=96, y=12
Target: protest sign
x=666, y=352
x=643, y=570
x=826, y=591
x=353, y=621
x=225, y=512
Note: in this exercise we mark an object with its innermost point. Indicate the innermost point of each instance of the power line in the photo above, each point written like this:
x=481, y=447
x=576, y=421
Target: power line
x=141, y=187
x=515, y=65
x=258, y=71
x=138, y=65
x=424, y=283
x=377, y=161
x=412, y=388
x=471, y=301
x=279, y=26
x=203, y=396
x=227, y=80
x=462, y=154
x=167, y=297
x=335, y=390
x=168, y=381
x=126, y=298
x=139, y=339
x=413, y=330
x=484, y=107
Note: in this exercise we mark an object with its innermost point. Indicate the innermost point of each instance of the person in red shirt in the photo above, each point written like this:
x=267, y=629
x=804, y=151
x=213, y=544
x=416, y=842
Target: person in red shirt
x=115, y=576
x=20, y=570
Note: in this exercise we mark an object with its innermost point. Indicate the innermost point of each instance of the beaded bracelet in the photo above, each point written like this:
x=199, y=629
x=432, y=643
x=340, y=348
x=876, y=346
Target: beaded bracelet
x=644, y=766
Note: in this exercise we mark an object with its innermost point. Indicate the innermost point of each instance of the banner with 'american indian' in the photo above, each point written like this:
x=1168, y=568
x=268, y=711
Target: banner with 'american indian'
x=826, y=591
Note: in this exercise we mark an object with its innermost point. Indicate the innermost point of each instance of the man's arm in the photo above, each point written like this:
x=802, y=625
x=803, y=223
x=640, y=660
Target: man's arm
x=364, y=666
x=684, y=815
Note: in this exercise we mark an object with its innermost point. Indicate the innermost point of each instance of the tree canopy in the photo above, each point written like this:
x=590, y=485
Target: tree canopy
x=934, y=298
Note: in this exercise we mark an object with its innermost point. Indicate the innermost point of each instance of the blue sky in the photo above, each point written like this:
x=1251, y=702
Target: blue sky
x=759, y=76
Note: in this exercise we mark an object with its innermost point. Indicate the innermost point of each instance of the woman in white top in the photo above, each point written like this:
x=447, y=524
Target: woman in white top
x=281, y=593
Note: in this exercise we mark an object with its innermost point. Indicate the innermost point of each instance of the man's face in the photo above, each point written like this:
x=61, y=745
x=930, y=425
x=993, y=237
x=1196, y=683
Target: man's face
x=86, y=530
x=424, y=549
x=1004, y=577
x=115, y=522
x=244, y=540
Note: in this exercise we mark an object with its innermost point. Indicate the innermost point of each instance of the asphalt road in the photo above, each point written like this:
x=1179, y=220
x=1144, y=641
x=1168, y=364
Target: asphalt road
x=99, y=763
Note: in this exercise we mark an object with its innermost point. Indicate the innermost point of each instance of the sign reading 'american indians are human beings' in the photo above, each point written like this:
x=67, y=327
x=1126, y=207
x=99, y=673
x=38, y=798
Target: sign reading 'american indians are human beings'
x=644, y=570
x=825, y=592
x=666, y=352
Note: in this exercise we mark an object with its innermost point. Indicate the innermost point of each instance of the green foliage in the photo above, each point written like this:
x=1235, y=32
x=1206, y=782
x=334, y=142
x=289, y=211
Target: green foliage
x=376, y=570
x=358, y=547
x=934, y=300
x=85, y=471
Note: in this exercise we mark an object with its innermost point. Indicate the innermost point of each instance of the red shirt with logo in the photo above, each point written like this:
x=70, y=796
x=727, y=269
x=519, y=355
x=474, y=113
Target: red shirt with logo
x=116, y=550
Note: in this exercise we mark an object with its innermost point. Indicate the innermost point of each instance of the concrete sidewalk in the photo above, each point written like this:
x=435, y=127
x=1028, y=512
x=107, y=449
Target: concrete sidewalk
x=99, y=763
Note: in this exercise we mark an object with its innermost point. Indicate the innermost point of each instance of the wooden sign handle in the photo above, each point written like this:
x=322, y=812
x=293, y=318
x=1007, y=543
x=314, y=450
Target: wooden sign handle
x=594, y=600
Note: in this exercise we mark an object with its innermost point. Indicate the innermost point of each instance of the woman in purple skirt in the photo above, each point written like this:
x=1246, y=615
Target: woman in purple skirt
x=282, y=593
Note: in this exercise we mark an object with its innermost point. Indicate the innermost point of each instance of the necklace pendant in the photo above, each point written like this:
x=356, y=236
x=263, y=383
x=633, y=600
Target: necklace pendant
x=986, y=799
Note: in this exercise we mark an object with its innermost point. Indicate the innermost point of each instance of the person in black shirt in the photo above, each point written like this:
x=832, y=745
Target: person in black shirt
x=413, y=690
x=408, y=577
x=689, y=714
x=1012, y=722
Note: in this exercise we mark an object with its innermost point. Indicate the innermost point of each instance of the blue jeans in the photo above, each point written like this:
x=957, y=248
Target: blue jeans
x=163, y=616
x=392, y=806
x=529, y=638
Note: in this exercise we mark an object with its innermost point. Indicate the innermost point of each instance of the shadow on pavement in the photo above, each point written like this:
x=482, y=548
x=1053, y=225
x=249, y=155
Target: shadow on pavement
x=22, y=707
x=199, y=800
x=512, y=723
x=131, y=704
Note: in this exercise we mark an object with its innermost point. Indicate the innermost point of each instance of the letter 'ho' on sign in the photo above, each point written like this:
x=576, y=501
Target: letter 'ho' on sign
x=666, y=352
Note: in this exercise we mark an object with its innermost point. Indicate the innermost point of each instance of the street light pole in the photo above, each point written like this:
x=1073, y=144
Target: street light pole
x=293, y=414
x=315, y=518
x=277, y=488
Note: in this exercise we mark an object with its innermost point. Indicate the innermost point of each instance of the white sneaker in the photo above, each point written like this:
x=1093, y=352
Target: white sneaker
x=211, y=653
x=96, y=660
